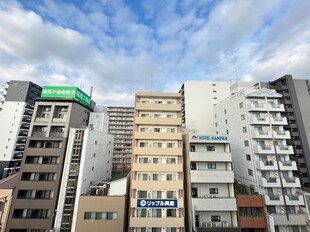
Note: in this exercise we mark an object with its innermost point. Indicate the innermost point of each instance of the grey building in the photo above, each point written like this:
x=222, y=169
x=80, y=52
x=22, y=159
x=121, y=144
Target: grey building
x=17, y=101
x=296, y=98
x=36, y=195
x=121, y=126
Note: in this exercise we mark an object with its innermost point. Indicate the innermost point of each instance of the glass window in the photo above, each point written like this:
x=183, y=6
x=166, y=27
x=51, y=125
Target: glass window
x=246, y=143
x=242, y=117
x=250, y=172
x=215, y=218
x=213, y=190
x=210, y=148
x=244, y=129
x=248, y=157
x=211, y=165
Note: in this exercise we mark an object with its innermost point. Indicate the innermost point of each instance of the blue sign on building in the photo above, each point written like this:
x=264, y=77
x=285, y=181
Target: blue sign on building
x=157, y=203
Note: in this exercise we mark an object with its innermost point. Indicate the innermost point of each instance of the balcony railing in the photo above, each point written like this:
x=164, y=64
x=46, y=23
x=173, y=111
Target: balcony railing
x=56, y=134
x=38, y=134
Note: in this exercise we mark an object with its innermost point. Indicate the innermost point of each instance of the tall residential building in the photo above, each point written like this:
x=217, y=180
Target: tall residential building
x=198, y=99
x=121, y=126
x=254, y=120
x=88, y=161
x=16, y=107
x=157, y=179
x=210, y=199
x=296, y=97
x=36, y=195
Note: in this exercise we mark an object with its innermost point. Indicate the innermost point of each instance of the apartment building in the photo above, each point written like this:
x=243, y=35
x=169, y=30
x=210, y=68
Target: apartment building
x=121, y=126
x=254, y=120
x=198, y=99
x=295, y=98
x=88, y=161
x=17, y=101
x=211, y=203
x=157, y=179
x=37, y=191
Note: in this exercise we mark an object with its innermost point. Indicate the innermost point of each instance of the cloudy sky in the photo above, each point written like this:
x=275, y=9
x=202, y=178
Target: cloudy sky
x=120, y=47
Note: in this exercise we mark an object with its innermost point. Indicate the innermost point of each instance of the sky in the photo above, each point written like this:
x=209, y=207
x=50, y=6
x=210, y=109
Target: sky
x=124, y=46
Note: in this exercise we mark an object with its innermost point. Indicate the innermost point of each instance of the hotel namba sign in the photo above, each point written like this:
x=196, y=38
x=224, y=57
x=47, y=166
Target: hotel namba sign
x=209, y=138
x=66, y=92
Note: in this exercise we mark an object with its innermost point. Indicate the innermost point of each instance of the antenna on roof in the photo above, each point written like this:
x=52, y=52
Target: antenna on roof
x=91, y=91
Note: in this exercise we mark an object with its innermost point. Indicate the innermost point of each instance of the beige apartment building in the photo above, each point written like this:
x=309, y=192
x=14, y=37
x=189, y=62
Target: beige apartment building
x=157, y=179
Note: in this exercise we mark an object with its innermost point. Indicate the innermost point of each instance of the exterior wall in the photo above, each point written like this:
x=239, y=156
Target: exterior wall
x=77, y=115
x=118, y=187
x=198, y=99
x=94, y=166
x=203, y=204
x=5, y=203
x=261, y=157
x=163, y=109
x=114, y=204
x=121, y=126
x=252, y=221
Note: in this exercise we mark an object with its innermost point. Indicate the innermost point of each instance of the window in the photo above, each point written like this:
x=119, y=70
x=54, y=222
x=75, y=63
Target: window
x=142, y=194
x=157, y=161
x=250, y=172
x=157, y=177
x=171, y=194
x=213, y=190
x=156, y=194
x=141, y=212
x=210, y=148
x=248, y=157
x=171, y=145
x=213, y=84
x=156, y=129
x=214, y=91
x=156, y=213
x=214, y=97
x=143, y=160
x=211, y=165
x=227, y=132
x=246, y=143
x=170, y=160
x=171, y=176
x=171, y=212
x=226, y=121
x=242, y=117
x=241, y=105
x=142, y=176
x=215, y=115
x=244, y=129
x=216, y=124
x=100, y=215
x=215, y=218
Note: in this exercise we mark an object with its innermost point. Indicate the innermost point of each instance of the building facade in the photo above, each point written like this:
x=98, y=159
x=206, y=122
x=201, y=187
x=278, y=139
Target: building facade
x=211, y=203
x=88, y=161
x=121, y=126
x=295, y=98
x=17, y=101
x=157, y=180
x=198, y=99
x=254, y=120
x=37, y=191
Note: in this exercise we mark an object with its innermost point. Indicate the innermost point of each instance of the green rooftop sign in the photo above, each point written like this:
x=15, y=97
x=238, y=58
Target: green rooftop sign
x=66, y=92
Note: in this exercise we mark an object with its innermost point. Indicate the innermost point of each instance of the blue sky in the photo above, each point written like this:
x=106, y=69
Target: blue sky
x=120, y=47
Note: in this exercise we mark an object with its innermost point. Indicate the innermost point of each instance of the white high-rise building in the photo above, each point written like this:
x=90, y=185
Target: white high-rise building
x=209, y=182
x=261, y=158
x=88, y=161
x=17, y=100
x=198, y=100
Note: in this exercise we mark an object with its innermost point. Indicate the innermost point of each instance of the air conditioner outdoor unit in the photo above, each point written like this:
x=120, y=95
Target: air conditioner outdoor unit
x=225, y=224
x=209, y=224
x=204, y=224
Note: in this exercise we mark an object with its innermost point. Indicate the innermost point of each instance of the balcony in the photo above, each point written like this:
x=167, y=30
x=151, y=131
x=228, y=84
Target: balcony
x=292, y=182
x=274, y=200
x=269, y=181
x=294, y=220
x=287, y=165
x=266, y=165
x=278, y=120
x=257, y=106
x=56, y=134
x=253, y=222
x=214, y=204
x=282, y=149
x=260, y=134
x=157, y=185
x=199, y=176
x=157, y=167
x=263, y=149
x=294, y=199
x=38, y=134
x=42, y=120
x=59, y=120
x=278, y=134
x=210, y=156
x=276, y=107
